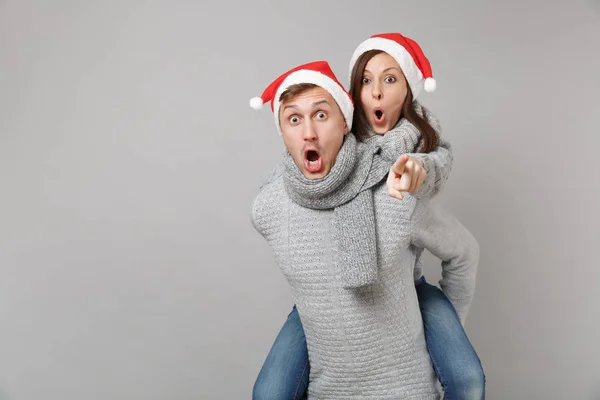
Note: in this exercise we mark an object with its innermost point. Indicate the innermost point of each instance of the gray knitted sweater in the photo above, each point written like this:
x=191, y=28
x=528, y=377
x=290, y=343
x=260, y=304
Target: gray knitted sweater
x=366, y=343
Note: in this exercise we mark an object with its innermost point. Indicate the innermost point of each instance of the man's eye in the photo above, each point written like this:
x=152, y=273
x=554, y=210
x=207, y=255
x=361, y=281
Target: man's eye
x=321, y=115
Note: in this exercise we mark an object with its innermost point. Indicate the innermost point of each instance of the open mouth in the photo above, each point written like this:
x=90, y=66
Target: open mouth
x=378, y=115
x=312, y=155
x=313, y=161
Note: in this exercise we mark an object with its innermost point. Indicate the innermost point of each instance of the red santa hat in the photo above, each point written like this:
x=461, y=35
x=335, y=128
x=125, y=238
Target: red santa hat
x=318, y=73
x=408, y=55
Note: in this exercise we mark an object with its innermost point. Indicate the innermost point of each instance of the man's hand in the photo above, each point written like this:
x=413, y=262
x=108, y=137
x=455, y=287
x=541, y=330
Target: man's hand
x=406, y=175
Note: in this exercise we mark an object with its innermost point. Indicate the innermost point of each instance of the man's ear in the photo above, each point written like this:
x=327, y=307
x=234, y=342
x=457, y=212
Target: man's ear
x=346, y=128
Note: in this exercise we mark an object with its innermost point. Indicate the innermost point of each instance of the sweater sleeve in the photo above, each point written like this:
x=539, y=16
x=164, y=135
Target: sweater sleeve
x=407, y=139
x=437, y=164
x=260, y=205
x=446, y=238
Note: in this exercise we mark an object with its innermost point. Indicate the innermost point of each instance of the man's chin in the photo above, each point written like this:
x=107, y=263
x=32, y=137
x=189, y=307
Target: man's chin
x=314, y=175
x=314, y=170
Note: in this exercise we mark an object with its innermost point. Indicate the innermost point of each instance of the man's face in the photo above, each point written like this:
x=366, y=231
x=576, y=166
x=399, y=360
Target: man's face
x=313, y=129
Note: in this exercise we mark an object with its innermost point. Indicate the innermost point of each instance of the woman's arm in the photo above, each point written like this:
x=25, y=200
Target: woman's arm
x=445, y=237
x=437, y=164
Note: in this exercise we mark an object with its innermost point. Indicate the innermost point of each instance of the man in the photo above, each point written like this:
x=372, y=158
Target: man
x=348, y=249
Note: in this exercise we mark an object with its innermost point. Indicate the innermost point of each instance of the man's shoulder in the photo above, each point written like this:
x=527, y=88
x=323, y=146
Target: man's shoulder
x=267, y=203
x=272, y=176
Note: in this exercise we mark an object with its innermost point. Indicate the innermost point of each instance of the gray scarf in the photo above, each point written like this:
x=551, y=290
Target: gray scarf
x=347, y=190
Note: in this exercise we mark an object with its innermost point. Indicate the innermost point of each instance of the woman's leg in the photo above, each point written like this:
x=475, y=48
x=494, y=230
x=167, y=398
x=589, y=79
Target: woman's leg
x=454, y=359
x=284, y=375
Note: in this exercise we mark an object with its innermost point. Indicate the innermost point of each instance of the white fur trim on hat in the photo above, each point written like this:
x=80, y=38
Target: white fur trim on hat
x=307, y=76
x=413, y=74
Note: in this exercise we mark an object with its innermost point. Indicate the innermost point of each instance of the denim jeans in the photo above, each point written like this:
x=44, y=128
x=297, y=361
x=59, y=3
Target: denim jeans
x=453, y=357
x=285, y=373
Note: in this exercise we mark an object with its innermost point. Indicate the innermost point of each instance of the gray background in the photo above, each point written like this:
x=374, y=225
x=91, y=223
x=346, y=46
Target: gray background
x=129, y=159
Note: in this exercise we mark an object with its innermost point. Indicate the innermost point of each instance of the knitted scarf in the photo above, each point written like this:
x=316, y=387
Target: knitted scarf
x=347, y=190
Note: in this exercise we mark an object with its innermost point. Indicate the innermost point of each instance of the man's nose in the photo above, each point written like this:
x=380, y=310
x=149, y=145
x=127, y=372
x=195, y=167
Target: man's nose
x=310, y=132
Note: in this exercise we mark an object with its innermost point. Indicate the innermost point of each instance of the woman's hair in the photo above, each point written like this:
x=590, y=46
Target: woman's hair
x=360, y=124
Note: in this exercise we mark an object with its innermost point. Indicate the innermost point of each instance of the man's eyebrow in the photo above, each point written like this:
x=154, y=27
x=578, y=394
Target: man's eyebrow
x=318, y=103
x=290, y=106
x=315, y=104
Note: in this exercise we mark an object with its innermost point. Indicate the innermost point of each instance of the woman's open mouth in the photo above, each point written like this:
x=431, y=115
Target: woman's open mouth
x=379, y=117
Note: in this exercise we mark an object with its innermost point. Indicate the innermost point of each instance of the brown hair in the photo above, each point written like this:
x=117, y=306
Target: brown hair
x=295, y=90
x=360, y=124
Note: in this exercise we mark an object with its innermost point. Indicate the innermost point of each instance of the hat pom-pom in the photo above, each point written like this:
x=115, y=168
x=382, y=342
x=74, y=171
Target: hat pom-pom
x=430, y=85
x=256, y=103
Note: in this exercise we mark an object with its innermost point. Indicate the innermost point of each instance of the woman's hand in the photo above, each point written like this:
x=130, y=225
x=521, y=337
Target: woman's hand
x=406, y=175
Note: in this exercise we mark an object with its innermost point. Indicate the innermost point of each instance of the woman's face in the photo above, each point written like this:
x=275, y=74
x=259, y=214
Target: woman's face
x=383, y=92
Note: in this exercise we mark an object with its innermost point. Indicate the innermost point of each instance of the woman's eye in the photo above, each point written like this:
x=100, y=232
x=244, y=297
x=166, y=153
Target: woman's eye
x=390, y=79
x=365, y=81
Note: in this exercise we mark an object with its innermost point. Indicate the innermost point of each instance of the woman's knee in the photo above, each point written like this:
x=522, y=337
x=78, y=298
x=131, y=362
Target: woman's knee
x=273, y=386
x=264, y=390
x=470, y=383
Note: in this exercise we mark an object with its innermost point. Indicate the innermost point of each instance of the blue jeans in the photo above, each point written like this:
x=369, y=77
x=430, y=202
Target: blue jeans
x=453, y=357
x=284, y=375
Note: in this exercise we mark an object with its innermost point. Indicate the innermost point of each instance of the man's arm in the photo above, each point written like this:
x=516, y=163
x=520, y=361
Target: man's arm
x=445, y=237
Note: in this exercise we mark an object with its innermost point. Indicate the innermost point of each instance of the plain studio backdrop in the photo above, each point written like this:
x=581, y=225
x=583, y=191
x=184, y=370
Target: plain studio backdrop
x=129, y=160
